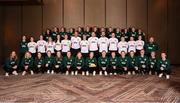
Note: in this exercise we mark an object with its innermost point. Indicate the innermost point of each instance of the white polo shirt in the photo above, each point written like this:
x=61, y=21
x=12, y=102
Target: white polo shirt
x=75, y=42
x=32, y=47
x=113, y=44
x=84, y=46
x=41, y=46
x=103, y=43
x=66, y=44
x=122, y=46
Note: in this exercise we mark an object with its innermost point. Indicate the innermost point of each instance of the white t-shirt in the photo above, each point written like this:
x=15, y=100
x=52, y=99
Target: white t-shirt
x=139, y=44
x=93, y=43
x=75, y=42
x=58, y=45
x=113, y=43
x=103, y=43
x=66, y=44
x=41, y=46
x=84, y=46
x=123, y=46
x=50, y=46
x=132, y=46
x=32, y=47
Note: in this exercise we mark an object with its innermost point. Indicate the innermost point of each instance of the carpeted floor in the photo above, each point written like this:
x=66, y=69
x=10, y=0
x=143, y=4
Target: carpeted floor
x=60, y=88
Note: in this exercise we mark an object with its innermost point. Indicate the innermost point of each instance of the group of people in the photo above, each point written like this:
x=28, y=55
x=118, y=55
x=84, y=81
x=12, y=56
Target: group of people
x=103, y=51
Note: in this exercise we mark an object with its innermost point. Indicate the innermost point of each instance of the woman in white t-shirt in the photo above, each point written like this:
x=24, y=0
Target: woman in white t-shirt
x=84, y=47
x=113, y=43
x=58, y=44
x=32, y=47
x=50, y=46
x=139, y=45
x=65, y=45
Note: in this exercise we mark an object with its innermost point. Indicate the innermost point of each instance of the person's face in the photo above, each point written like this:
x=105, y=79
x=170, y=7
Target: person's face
x=32, y=39
x=24, y=38
x=142, y=52
x=48, y=31
x=58, y=37
x=163, y=56
x=79, y=29
x=93, y=34
x=58, y=54
x=79, y=55
x=39, y=55
x=113, y=54
x=103, y=34
x=71, y=30
x=50, y=39
x=49, y=54
x=91, y=55
x=41, y=37
x=110, y=29
x=131, y=38
x=117, y=30
x=139, y=30
x=153, y=54
x=125, y=30
x=68, y=54
x=113, y=35
x=151, y=40
x=103, y=54
x=123, y=54
x=87, y=28
x=133, y=29
x=76, y=34
x=55, y=29
x=13, y=54
x=28, y=55
x=132, y=54
x=140, y=38
x=84, y=37
x=122, y=39
x=65, y=37
x=62, y=29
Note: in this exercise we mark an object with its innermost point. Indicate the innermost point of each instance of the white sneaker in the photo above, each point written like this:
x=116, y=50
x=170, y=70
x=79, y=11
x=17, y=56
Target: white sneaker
x=100, y=73
x=94, y=73
x=76, y=72
x=133, y=73
x=7, y=74
x=83, y=73
x=87, y=73
x=110, y=73
x=48, y=71
x=24, y=72
x=32, y=72
x=160, y=75
x=67, y=72
x=14, y=73
x=150, y=73
x=52, y=72
x=115, y=73
x=105, y=73
x=167, y=76
x=129, y=73
x=72, y=73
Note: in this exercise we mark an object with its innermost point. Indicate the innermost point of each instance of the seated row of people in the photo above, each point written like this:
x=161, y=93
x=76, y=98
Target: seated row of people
x=127, y=33
x=93, y=44
x=103, y=65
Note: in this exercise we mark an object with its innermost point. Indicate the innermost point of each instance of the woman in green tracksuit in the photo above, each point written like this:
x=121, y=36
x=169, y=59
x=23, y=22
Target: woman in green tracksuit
x=11, y=65
x=91, y=64
x=58, y=63
x=69, y=63
x=152, y=63
x=79, y=64
x=49, y=63
x=103, y=63
x=113, y=64
x=164, y=67
x=142, y=62
x=133, y=63
x=39, y=63
x=123, y=63
x=27, y=63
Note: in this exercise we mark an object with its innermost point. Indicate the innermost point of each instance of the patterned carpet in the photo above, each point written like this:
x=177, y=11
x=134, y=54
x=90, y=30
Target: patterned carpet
x=60, y=88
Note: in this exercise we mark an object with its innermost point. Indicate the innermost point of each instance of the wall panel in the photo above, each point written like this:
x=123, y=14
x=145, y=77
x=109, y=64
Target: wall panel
x=116, y=14
x=12, y=29
x=32, y=20
x=73, y=13
x=52, y=13
x=95, y=12
x=137, y=14
x=157, y=22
